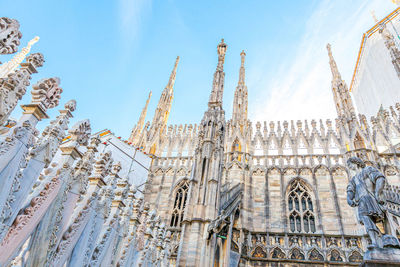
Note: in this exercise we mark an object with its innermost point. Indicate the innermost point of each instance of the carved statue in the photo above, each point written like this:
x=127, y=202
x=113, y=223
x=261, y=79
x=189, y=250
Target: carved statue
x=364, y=191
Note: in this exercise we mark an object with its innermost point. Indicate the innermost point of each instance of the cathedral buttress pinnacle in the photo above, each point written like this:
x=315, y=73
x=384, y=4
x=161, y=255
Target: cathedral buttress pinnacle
x=219, y=77
x=240, y=102
x=163, y=109
x=137, y=130
x=341, y=94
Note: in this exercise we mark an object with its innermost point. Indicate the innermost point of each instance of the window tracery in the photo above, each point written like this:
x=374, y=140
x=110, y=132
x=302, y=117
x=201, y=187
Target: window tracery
x=179, y=204
x=301, y=210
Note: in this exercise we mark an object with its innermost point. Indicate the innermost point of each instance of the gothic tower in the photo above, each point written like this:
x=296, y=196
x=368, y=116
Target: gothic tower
x=137, y=130
x=343, y=103
x=161, y=114
x=239, y=114
x=203, y=201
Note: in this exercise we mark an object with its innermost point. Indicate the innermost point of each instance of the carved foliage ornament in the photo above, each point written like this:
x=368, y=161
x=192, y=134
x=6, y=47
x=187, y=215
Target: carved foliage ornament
x=80, y=132
x=47, y=92
x=9, y=35
x=35, y=59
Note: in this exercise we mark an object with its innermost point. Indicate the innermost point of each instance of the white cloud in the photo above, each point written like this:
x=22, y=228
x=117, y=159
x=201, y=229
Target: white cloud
x=131, y=15
x=302, y=89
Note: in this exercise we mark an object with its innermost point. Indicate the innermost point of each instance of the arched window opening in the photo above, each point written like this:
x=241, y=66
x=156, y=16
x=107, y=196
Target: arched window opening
x=301, y=210
x=179, y=204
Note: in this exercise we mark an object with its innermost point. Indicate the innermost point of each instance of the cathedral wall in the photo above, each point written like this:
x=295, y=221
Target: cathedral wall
x=260, y=200
x=275, y=200
x=326, y=196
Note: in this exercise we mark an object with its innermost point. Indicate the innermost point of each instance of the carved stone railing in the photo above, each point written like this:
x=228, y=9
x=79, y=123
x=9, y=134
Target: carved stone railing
x=300, y=248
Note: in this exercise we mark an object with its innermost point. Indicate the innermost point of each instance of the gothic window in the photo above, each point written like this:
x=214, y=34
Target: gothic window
x=301, y=209
x=179, y=204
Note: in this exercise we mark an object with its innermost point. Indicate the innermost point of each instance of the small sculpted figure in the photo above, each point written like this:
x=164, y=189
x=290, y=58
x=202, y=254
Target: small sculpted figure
x=364, y=191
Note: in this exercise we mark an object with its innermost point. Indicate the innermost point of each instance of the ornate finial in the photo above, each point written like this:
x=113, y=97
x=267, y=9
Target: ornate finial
x=9, y=35
x=33, y=41
x=242, y=55
x=47, y=92
x=222, y=50
x=36, y=59
x=332, y=63
x=116, y=167
x=70, y=105
x=80, y=132
x=242, y=70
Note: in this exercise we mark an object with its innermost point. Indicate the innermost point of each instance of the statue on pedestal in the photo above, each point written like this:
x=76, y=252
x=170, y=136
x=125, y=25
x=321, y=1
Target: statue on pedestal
x=365, y=191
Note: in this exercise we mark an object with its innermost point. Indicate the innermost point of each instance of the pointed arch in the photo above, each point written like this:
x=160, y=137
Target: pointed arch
x=259, y=252
x=317, y=145
x=301, y=207
x=315, y=255
x=302, y=145
x=287, y=145
x=277, y=253
x=355, y=256
x=335, y=255
x=296, y=254
x=180, y=197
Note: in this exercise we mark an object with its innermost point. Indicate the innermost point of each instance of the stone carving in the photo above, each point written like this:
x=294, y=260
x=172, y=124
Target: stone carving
x=13, y=64
x=365, y=191
x=36, y=60
x=9, y=35
x=13, y=88
x=47, y=92
x=80, y=132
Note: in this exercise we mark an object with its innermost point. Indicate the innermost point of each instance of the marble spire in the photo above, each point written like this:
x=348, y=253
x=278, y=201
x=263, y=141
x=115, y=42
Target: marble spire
x=240, y=100
x=219, y=77
x=137, y=130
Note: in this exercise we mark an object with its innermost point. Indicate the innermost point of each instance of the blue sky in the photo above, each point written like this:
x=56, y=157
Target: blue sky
x=110, y=54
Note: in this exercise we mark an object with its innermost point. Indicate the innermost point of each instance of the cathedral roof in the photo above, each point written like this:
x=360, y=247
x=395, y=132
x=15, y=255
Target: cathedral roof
x=366, y=36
